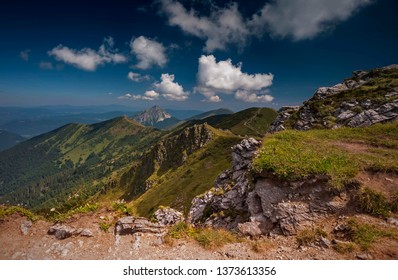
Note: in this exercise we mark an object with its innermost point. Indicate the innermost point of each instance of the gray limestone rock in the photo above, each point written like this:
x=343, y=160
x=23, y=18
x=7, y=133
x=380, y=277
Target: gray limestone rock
x=25, y=227
x=168, y=216
x=62, y=231
x=131, y=225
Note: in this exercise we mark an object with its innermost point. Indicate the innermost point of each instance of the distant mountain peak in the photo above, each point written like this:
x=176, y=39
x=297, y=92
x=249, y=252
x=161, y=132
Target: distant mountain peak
x=152, y=116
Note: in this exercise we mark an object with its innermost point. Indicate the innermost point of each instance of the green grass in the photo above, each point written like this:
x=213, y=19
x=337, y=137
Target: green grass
x=374, y=202
x=295, y=155
x=309, y=236
x=6, y=211
x=178, y=186
x=104, y=226
x=250, y=122
x=63, y=216
x=365, y=234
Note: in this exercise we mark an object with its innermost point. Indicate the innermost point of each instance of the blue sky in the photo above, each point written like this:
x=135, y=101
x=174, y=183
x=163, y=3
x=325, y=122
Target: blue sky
x=188, y=54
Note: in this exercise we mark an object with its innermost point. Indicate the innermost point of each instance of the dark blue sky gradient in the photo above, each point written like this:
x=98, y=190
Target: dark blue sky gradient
x=367, y=39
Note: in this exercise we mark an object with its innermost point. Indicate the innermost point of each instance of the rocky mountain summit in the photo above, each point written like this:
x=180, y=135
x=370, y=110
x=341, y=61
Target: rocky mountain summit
x=368, y=97
x=152, y=116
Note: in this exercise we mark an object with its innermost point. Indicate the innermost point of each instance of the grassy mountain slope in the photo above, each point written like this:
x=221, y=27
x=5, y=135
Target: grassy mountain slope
x=249, y=122
x=340, y=153
x=177, y=185
x=252, y=121
x=71, y=163
x=221, y=111
x=8, y=139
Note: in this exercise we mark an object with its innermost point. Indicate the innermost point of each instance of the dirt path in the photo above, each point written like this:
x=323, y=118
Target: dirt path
x=37, y=244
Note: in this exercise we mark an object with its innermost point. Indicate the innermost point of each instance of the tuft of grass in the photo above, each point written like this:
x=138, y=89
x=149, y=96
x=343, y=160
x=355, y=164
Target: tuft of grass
x=309, y=236
x=344, y=247
x=181, y=230
x=374, y=202
x=210, y=238
x=365, y=234
x=121, y=207
x=104, y=226
x=9, y=210
x=260, y=246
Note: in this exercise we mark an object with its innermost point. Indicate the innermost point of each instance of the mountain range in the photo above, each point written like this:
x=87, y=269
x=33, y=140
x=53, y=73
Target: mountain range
x=74, y=162
x=324, y=172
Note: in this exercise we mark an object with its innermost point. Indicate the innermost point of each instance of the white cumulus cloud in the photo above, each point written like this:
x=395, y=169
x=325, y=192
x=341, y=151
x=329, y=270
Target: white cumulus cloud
x=215, y=77
x=298, y=19
x=148, y=53
x=89, y=59
x=223, y=26
x=169, y=89
x=137, y=77
x=148, y=95
x=303, y=19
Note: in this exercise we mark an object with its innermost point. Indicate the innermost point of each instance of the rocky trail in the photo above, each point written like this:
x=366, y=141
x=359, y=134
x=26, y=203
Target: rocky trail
x=21, y=239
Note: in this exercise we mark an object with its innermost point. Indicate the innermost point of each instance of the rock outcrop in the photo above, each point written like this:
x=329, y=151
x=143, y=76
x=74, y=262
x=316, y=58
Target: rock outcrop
x=132, y=225
x=64, y=231
x=367, y=98
x=168, y=216
x=224, y=204
x=260, y=204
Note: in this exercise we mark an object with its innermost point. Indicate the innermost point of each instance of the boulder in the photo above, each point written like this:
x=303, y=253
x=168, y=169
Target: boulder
x=168, y=216
x=293, y=216
x=62, y=231
x=131, y=225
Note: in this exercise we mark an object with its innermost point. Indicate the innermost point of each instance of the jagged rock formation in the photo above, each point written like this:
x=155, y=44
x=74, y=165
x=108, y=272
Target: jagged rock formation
x=260, y=204
x=168, y=216
x=367, y=98
x=131, y=225
x=170, y=152
x=152, y=116
x=284, y=114
x=224, y=204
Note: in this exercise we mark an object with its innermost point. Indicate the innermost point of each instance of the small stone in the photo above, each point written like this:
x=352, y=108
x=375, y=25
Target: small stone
x=364, y=257
x=25, y=227
x=392, y=221
x=389, y=180
x=86, y=233
x=324, y=242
